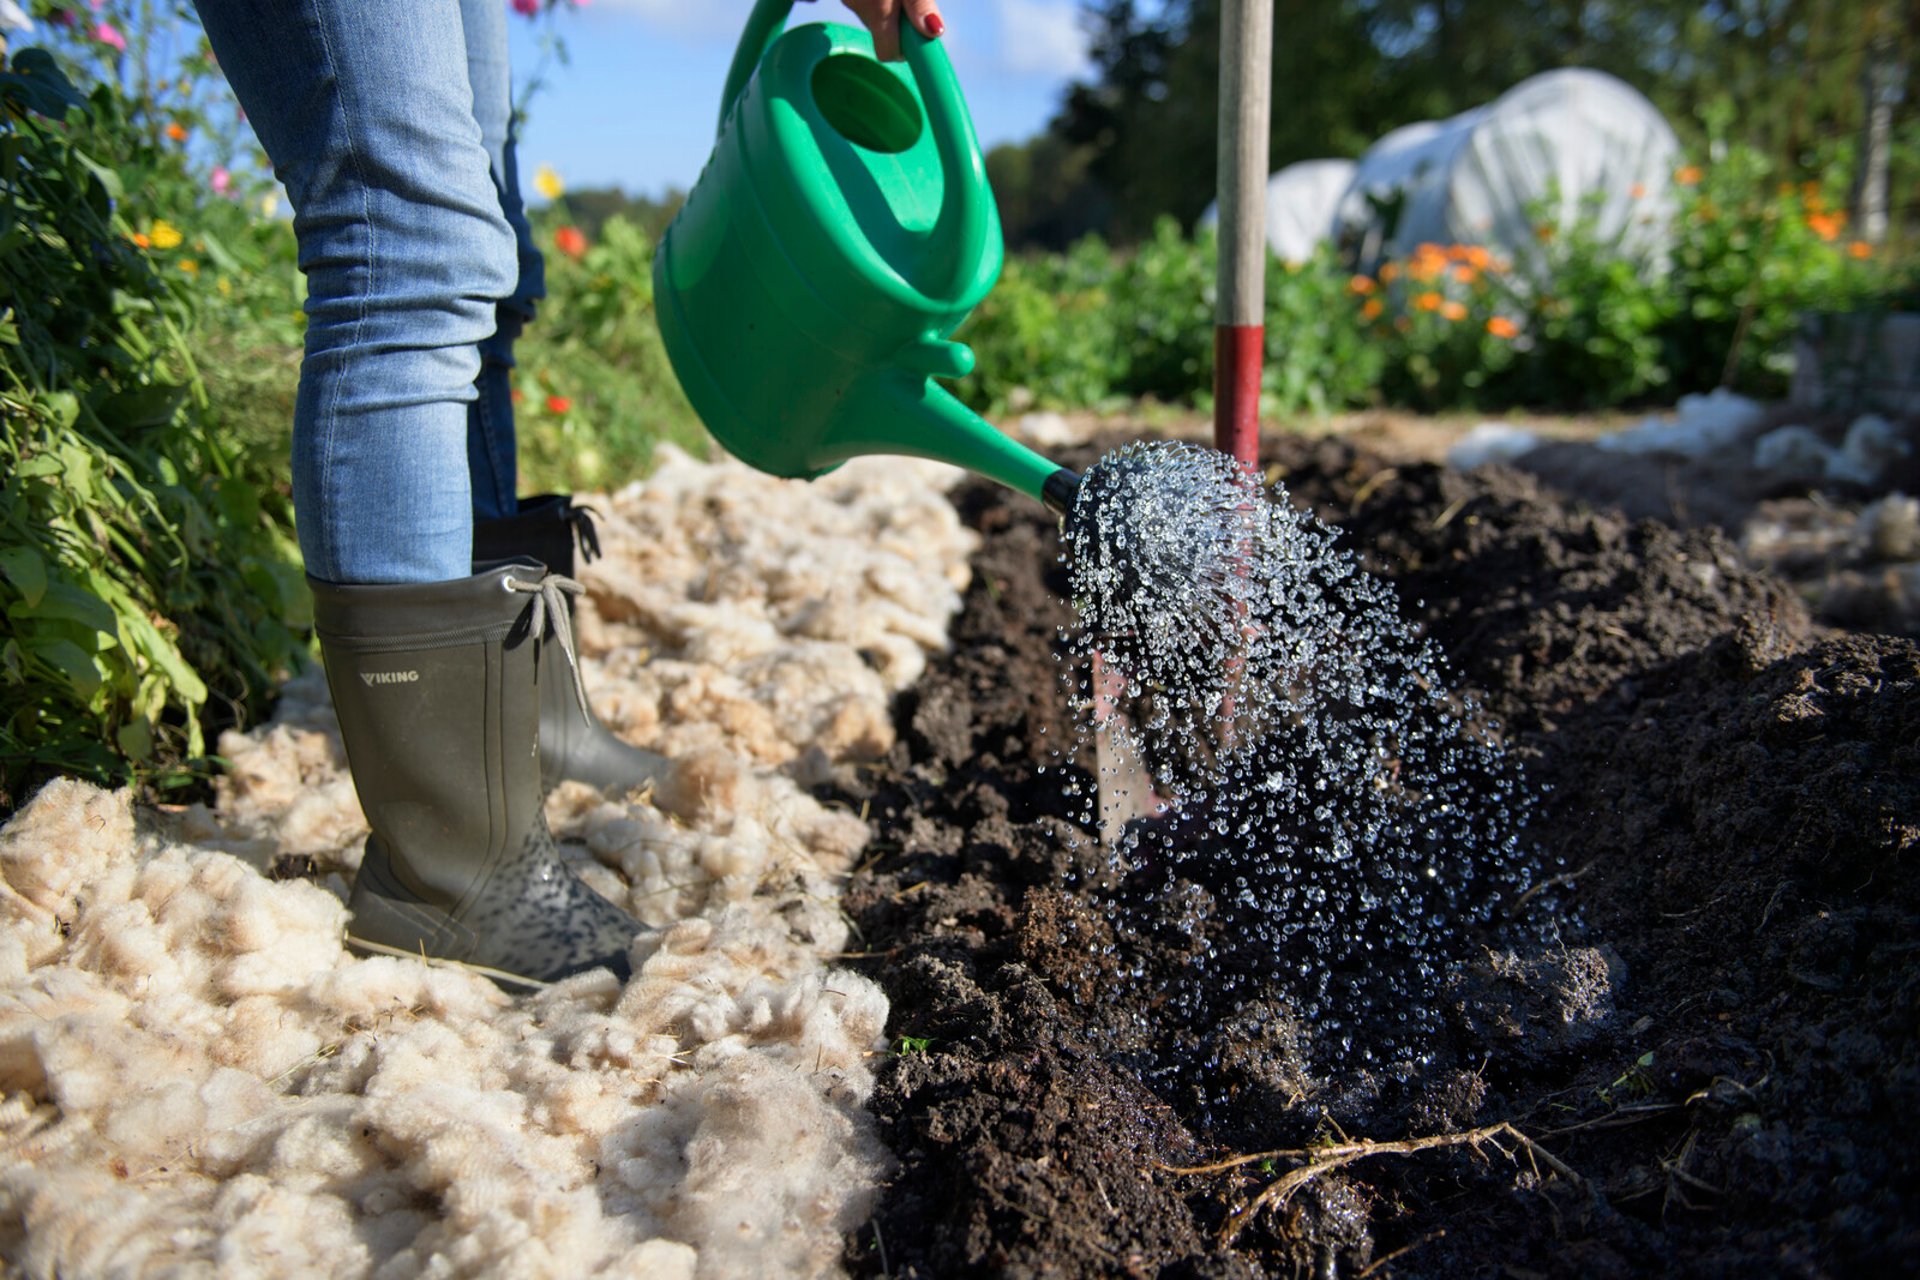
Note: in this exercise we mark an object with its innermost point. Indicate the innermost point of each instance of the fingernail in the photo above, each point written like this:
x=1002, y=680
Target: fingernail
x=934, y=25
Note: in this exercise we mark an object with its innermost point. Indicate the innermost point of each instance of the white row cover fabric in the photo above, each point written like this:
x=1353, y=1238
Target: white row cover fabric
x=1556, y=147
x=1301, y=200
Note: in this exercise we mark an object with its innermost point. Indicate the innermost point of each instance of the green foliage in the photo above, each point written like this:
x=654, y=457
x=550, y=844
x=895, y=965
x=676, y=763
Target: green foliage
x=593, y=389
x=146, y=571
x=1047, y=334
x=1092, y=327
x=1750, y=255
x=1319, y=357
x=1577, y=324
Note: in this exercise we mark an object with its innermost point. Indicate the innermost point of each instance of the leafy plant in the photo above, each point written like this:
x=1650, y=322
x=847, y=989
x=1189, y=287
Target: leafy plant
x=593, y=388
x=146, y=570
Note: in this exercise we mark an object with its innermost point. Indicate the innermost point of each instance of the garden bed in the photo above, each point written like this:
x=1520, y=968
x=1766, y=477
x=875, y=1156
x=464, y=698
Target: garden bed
x=1708, y=1068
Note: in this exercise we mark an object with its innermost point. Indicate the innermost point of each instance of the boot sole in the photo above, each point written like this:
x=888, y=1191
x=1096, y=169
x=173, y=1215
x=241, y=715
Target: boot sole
x=512, y=980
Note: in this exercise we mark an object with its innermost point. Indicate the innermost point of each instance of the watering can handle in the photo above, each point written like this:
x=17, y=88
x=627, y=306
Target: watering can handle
x=966, y=209
x=965, y=221
x=764, y=25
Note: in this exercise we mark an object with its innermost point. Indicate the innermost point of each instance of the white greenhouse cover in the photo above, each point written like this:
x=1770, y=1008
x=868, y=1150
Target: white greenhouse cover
x=1567, y=142
x=1301, y=200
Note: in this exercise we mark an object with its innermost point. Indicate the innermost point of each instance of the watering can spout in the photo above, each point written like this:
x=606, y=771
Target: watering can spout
x=904, y=411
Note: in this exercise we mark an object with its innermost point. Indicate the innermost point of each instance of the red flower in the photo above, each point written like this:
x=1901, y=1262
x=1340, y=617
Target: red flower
x=558, y=404
x=571, y=241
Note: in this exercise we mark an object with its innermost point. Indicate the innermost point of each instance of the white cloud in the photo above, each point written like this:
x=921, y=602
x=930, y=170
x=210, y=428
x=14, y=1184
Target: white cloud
x=1043, y=37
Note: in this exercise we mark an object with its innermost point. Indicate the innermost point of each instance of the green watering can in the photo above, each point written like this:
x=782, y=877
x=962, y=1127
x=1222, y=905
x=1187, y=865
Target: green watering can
x=841, y=230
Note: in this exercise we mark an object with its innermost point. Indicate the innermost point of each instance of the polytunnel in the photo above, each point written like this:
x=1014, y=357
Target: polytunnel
x=1557, y=147
x=1301, y=201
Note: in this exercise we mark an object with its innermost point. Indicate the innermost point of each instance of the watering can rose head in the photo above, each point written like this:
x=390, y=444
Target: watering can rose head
x=841, y=231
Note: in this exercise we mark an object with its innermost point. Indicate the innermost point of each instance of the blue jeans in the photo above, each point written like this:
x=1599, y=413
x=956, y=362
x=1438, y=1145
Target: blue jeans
x=389, y=121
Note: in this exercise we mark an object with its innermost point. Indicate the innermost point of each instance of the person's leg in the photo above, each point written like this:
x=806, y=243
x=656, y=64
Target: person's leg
x=490, y=428
x=366, y=109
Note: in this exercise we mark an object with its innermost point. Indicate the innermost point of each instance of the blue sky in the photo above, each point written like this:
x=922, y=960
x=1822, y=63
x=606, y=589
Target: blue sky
x=636, y=105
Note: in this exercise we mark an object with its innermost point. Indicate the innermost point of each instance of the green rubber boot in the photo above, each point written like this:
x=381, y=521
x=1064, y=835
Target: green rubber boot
x=574, y=745
x=437, y=687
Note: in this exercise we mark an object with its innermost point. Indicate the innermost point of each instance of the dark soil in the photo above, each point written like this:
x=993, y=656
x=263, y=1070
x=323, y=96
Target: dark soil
x=1717, y=1061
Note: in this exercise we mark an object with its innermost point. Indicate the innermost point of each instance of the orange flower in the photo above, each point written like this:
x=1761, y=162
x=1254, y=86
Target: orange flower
x=1428, y=301
x=1638, y=191
x=177, y=131
x=516, y=395
x=1452, y=311
x=1371, y=309
x=1478, y=258
x=1543, y=232
x=1859, y=249
x=142, y=240
x=558, y=404
x=1501, y=327
x=1465, y=274
x=1827, y=225
x=1687, y=175
x=571, y=241
x=1389, y=271
x=1360, y=286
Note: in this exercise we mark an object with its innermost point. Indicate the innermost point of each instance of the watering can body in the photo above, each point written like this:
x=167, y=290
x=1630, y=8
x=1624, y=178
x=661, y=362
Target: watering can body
x=840, y=232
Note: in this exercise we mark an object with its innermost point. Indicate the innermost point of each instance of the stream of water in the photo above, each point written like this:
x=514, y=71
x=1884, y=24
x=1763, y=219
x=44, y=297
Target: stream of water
x=1340, y=830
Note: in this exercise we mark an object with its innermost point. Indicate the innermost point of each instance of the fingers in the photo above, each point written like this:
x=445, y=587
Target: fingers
x=882, y=19
x=925, y=17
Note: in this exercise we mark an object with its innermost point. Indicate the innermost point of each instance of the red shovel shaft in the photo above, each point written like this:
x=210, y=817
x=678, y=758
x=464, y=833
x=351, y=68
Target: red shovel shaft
x=1246, y=56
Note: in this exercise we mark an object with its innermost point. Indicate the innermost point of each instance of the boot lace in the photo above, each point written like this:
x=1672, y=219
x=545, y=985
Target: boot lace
x=550, y=611
x=580, y=519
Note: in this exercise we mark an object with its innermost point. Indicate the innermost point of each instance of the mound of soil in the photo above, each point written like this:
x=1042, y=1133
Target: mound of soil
x=1711, y=1069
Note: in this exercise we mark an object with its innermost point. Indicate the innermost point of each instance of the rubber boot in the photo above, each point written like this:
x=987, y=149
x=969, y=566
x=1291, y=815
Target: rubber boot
x=438, y=692
x=574, y=745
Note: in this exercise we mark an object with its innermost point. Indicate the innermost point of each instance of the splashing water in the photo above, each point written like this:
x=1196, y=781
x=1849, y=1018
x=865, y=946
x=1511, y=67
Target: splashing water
x=1339, y=825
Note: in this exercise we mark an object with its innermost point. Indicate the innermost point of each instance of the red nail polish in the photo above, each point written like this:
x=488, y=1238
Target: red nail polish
x=934, y=25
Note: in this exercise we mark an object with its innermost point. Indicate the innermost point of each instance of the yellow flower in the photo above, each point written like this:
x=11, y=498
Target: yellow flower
x=269, y=205
x=189, y=266
x=164, y=234
x=548, y=183
x=225, y=286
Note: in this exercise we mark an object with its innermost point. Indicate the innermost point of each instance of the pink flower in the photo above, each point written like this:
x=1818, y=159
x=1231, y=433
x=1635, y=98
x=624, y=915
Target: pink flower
x=526, y=8
x=221, y=181
x=105, y=34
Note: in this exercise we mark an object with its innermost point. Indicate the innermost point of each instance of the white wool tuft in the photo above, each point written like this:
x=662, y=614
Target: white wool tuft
x=195, y=1076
